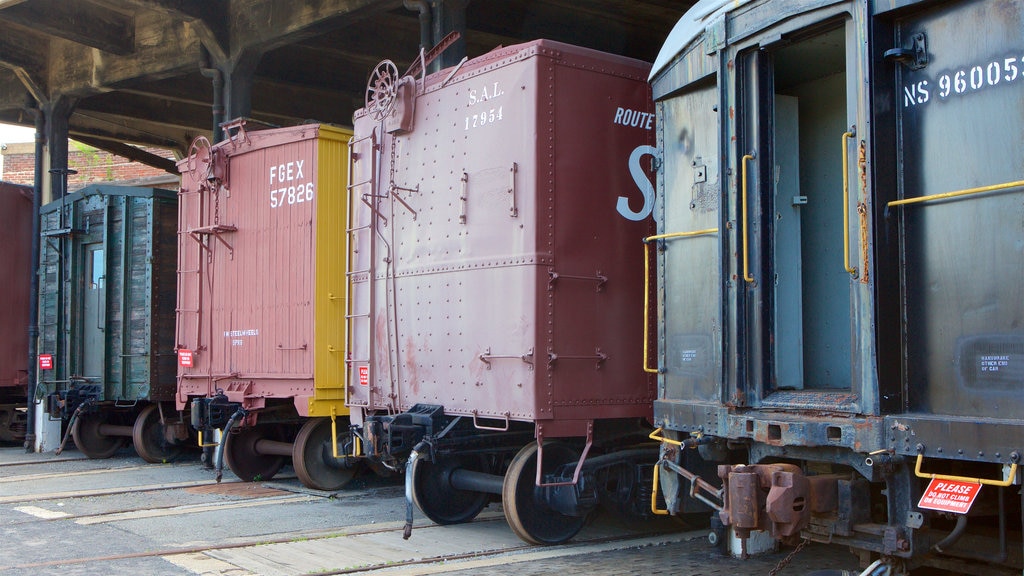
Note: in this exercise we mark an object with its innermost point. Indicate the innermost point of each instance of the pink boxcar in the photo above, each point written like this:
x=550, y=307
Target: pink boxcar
x=261, y=307
x=16, y=239
x=497, y=210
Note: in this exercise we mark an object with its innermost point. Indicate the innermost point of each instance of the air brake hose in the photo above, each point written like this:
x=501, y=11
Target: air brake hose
x=958, y=531
x=241, y=413
x=409, y=486
x=71, y=426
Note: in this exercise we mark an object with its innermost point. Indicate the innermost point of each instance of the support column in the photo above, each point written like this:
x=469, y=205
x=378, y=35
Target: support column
x=238, y=75
x=51, y=130
x=58, y=115
x=449, y=16
x=33, y=297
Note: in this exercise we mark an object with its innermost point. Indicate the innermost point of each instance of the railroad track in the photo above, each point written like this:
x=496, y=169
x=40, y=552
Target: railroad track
x=91, y=517
x=362, y=533
x=257, y=551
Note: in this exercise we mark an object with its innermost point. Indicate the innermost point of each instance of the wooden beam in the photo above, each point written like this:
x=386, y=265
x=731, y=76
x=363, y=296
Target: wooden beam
x=130, y=152
x=25, y=54
x=264, y=25
x=78, y=21
x=132, y=131
x=127, y=106
x=13, y=95
x=208, y=17
x=165, y=49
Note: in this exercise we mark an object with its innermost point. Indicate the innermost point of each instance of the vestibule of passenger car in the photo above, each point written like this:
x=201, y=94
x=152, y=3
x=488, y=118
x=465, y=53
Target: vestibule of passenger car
x=794, y=127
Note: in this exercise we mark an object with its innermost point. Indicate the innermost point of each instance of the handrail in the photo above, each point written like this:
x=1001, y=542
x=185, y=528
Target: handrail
x=746, y=252
x=647, y=282
x=697, y=484
x=1007, y=482
x=654, y=493
x=965, y=192
x=852, y=270
x=655, y=436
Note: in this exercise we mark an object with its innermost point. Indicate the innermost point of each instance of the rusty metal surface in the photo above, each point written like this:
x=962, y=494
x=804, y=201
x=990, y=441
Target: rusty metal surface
x=248, y=270
x=16, y=239
x=777, y=498
x=495, y=274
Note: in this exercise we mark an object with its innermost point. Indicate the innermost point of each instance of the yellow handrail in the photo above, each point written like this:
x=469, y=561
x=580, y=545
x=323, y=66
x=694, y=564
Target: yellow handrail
x=852, y=270
x=965, y=192
x=655, y=436
x=647, y=281
x=357, y=445
x=746, y=254
x=334, y=433
x=1007, y=482
x=654, y=494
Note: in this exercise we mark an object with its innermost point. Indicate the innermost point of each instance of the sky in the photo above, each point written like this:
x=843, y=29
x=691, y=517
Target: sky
x=10, y=134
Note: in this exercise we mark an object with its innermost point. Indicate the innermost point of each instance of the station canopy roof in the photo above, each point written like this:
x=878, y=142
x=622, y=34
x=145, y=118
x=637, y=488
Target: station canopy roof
x=133, y=69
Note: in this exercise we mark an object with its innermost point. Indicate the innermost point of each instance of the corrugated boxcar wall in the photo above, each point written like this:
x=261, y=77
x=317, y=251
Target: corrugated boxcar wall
x=110, y=257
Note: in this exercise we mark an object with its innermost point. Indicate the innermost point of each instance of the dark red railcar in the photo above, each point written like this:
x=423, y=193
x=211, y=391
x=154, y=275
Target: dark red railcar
x=16, y=239
x=497, y=287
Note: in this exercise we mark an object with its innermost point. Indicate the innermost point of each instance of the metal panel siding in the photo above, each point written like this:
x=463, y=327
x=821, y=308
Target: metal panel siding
x=468, y=316
x=461, y=290
x=689, y=200
x=16, y=240
x=252, y=296
x=331, y=168
x=134, y=228
x=592, y=142
x=964, y=278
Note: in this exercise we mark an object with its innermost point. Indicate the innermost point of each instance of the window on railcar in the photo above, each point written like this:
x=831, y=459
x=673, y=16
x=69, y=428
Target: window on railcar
x=93, y=313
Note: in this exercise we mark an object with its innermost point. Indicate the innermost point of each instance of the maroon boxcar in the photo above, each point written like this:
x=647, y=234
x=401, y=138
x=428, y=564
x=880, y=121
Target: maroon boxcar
x=16, y=239
x=497, y=284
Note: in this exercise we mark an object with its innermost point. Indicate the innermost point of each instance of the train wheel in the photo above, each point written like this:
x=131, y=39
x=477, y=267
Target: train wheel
x=311, y=445
x=150, y=439
x=90, y=440
x=434, y=495
x=245, y=461
x=528, y=515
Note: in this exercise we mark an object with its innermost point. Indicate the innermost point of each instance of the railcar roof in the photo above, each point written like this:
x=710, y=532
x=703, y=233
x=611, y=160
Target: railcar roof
x=689, y=26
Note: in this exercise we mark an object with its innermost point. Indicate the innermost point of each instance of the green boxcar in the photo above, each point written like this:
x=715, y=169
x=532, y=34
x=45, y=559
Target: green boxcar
x=107, y=288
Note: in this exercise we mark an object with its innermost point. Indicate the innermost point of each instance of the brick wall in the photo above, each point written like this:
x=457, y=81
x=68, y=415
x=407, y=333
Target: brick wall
x=93, y=165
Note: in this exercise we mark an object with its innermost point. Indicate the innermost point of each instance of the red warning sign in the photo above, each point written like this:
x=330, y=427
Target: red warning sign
x=185, y=358
x=46, y=361
x=364, y=375
x=955, y=496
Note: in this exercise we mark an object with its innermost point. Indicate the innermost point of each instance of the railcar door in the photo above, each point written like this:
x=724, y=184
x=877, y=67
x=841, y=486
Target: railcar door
x=796, y=116
x=688, y=210
x=959, y=96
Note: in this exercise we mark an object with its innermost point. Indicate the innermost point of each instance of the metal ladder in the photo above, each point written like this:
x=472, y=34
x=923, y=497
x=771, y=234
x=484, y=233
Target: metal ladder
x=362, y=366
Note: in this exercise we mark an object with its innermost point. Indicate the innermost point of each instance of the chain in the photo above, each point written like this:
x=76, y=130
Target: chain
x=785, y=561
x=215, y=189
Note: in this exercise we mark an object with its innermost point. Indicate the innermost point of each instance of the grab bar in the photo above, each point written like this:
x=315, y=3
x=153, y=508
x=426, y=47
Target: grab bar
x=852, y=270
x=647, y=282
x=746, y=252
